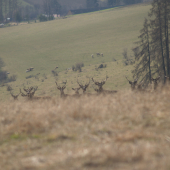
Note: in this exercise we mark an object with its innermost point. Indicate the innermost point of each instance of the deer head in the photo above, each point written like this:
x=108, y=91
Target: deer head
x=155, y=81
x=61, y=89
x=99, y=84
x=76, y=90
x=29, y=92
x=83, y=87
x=132, y=83
x=15, y=96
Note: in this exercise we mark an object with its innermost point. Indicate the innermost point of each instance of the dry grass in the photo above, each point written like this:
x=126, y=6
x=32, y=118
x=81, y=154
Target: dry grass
x=123, y=131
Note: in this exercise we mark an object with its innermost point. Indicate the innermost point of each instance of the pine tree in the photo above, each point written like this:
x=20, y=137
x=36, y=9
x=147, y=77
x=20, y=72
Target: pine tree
x=1, y=11
x=143, y=55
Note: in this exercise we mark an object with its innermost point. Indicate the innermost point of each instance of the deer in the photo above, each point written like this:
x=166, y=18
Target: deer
x=29, y=69
x=30, y=94
x=132, y=83
x=100, y=85
x=155, y=82
x=14, y=96
x=83, y=87
x=62, y=94
x=76, y=92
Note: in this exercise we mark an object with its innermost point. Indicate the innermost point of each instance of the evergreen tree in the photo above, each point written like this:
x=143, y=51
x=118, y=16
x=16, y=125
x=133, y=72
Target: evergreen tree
x=158, y=41
x=1, y=11
x=92, y=3
x=143, y=55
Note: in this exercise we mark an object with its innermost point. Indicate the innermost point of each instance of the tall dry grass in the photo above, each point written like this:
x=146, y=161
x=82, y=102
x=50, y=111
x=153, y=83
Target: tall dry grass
x=127, y=130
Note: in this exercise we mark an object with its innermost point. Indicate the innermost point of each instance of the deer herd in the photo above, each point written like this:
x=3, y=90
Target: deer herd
x=29, y=92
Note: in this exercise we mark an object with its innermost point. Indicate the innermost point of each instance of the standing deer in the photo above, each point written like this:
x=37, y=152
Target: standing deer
x=83, y=87
x=62, y=94
x=132, y=83
x=155, y=82
x=100, y=85
x=14, y=96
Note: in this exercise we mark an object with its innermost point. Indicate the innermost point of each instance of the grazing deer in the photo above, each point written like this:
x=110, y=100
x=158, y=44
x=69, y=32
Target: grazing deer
x=100, y=85
x=83, y=87
x=155, y=82
x=29, y=69
x=62, y=94
x=15, y=96
x=132, y=83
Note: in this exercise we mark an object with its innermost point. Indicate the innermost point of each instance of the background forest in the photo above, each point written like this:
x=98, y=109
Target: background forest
x=24, y=10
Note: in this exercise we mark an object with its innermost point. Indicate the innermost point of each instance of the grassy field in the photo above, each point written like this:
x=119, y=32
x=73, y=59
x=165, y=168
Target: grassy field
x=64, y=42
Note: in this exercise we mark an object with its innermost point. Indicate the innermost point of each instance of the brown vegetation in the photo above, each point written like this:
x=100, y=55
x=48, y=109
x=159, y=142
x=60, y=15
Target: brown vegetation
x=125, y=131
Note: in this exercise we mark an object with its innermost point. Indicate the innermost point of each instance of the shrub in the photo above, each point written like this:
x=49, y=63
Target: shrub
x=3, y=76
x=54, y=73
x=12, y=78
x=30, y=76
x=102, y=66
x=42, y=18
x=78, y=66
x=73, y=68
x=8, y=88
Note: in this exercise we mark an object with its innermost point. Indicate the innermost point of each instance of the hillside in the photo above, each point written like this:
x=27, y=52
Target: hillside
x=64, y=42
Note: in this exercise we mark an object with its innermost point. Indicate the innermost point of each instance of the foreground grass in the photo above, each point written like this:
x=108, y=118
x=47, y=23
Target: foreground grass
x=124, y=131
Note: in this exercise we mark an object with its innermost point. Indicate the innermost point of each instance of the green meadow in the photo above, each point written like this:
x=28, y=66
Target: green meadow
x=65, y=42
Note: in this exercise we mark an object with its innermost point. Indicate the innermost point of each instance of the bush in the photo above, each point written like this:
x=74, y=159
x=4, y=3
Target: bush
x=8, y=88
x=42, y=18
x=73, y=68
x=3, y=76
x=54, y=73
x=78, y=66
x=30, y=76
x=12, y=78
x=102, y=66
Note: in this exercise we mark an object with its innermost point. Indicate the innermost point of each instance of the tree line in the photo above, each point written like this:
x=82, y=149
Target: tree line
x=14, y=10
x=152, y=49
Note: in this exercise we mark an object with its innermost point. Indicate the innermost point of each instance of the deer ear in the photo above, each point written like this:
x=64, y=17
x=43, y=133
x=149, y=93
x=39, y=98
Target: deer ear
x=130, y=82
x=73, y=88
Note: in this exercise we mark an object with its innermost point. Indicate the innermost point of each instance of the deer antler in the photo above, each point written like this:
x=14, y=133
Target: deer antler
x=127, y=78
x=87, y=84
x=14, y=96
x=57, y=85
x=79, y=83
x=22, y=94
x=95, y=82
